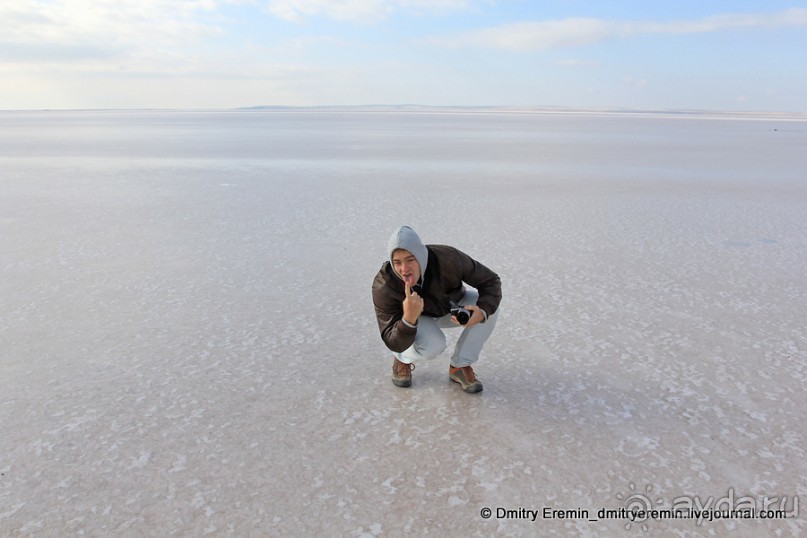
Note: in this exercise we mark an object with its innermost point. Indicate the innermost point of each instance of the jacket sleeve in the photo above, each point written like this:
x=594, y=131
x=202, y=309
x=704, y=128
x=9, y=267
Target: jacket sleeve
x=395, y=333
x=484, y=280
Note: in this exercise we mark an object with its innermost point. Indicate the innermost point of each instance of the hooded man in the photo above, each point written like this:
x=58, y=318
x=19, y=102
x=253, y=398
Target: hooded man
x=413, y=294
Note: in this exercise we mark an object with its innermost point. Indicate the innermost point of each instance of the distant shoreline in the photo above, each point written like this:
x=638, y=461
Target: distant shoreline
x=798, y=116
x=427, y=109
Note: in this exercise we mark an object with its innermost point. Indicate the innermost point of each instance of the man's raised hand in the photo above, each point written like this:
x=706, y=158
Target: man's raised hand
x=412, y=305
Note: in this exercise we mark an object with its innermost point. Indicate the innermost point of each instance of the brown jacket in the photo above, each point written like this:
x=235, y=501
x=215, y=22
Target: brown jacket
x=446, y=271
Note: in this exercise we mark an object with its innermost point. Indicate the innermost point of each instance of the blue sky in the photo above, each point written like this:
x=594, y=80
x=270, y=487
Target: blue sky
x=708, y=55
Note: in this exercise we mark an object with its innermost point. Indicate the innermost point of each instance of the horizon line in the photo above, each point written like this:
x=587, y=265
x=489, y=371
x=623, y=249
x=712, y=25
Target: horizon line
x=525, y=109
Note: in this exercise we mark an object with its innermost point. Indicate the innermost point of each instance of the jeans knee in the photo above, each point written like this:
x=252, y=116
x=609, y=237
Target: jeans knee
x=430, y=349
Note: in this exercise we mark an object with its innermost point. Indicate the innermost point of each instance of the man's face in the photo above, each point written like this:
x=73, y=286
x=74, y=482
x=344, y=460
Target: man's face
x=406, y=265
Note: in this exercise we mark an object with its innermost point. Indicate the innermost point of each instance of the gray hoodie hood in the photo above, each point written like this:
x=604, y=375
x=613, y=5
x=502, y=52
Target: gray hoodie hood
x=407, y=239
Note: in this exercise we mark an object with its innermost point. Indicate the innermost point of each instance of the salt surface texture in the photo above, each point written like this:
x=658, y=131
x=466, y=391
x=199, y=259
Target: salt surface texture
x=188, y=347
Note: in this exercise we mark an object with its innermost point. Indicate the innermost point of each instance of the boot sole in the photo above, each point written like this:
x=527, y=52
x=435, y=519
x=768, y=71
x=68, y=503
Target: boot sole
x=476, y=387
x=402, y=383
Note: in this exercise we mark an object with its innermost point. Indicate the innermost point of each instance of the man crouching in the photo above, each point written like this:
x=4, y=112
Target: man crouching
x=419, y=291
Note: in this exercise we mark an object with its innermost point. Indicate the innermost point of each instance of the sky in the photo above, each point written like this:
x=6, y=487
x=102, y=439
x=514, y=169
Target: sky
x=683, y=55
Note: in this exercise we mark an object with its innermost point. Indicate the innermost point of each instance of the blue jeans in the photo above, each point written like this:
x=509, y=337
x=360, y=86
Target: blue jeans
x=430, y=340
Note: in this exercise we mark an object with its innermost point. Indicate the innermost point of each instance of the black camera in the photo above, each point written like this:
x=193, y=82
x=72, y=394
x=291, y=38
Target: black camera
x=462, y=314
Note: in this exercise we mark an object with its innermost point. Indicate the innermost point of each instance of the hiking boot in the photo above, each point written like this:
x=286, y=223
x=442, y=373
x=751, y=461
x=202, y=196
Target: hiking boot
x=465, y=376
x=402, y=373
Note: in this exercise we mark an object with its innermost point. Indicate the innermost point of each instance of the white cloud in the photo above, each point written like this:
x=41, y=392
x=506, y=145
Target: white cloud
x=535, y=35
x=790, y=17
x=637, y=83
x=74, y=52
x=33, y=32
x=305, y=42
x=574, y=62
x=361, y=11
x=343, y=10
x=573, y=32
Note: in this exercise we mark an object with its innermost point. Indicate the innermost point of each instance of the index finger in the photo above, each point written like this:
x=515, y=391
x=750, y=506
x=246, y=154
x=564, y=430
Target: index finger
x=408, y=288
